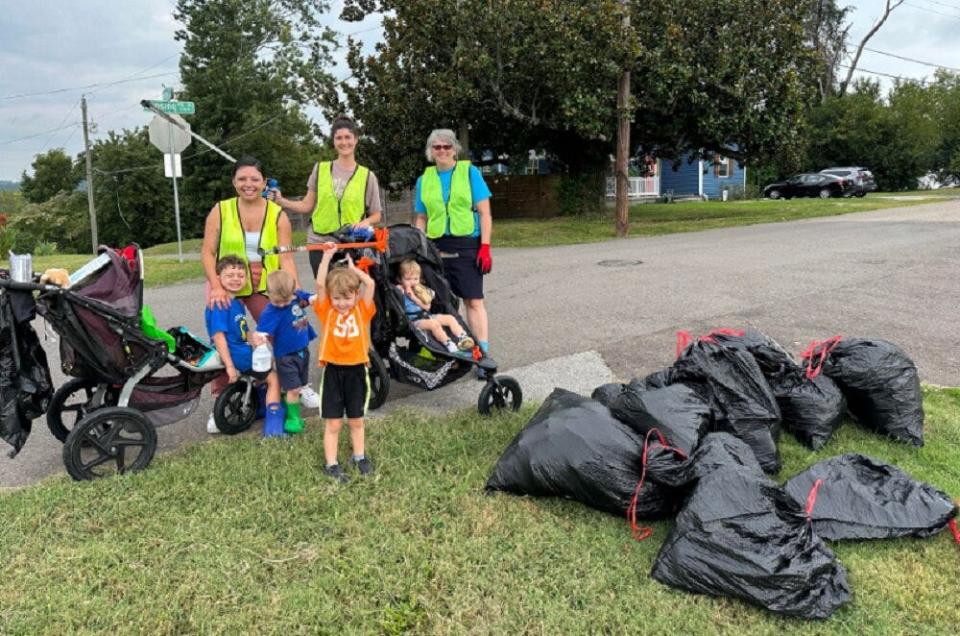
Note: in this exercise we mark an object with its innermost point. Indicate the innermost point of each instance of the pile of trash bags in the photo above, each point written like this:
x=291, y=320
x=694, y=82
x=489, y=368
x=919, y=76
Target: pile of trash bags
x=696, y=442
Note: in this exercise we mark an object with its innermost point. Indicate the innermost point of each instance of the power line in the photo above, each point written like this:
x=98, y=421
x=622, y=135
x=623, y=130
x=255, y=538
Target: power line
x=39, y=134
x=944, y=4
x=934, y=11
x=899, y=77
x=910, y=59
x=80, y=88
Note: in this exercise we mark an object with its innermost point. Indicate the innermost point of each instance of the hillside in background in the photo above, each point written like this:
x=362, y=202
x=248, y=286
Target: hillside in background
x=9, y=185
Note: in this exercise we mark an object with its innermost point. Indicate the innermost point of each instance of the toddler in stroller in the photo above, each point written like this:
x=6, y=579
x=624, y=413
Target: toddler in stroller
x=417, y=300
x=106, y=415
x=417, y=353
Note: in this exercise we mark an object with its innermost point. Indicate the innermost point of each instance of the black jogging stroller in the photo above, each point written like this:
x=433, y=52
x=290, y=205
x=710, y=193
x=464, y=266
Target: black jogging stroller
x=406, y=354
x=107, y=414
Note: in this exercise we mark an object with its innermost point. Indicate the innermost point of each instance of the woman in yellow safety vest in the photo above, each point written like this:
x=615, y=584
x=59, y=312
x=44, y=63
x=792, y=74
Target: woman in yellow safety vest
x=452, y=205
x=242, y=225
x=339, y=192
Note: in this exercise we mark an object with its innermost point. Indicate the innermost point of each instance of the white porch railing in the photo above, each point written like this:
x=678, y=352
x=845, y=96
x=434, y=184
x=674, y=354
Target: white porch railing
x=637, y=187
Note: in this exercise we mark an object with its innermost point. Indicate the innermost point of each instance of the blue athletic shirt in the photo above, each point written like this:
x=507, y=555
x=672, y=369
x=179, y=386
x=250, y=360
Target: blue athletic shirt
x=232, y=322
x=478, y=189
x=288, y=326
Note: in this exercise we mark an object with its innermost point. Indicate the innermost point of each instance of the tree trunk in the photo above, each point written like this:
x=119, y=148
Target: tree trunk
x=623, y=140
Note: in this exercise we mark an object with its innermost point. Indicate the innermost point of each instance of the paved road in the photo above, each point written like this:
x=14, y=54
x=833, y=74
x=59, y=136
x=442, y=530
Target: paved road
x=889, y=274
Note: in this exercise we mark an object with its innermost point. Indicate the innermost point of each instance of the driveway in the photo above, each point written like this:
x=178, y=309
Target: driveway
x=888, y=274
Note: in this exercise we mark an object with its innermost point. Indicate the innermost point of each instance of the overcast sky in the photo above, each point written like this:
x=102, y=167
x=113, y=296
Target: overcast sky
x=52, y=51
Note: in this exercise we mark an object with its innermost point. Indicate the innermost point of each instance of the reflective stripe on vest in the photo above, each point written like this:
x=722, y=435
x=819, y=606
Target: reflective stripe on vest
x=330, y=213
x=458, y=210
x=232, y=241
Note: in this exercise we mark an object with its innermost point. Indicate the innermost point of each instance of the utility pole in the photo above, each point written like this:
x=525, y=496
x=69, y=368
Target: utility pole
x=86, y=145
x=623, y=136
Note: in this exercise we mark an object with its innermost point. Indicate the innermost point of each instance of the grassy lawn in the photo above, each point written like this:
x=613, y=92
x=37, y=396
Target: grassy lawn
x=193, y=245
x=244, y=536
x=668, y=218
x=159, y=271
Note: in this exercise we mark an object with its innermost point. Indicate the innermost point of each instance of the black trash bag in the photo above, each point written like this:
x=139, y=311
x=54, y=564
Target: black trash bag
x=811, y=409
x=773, y=359
x=574, y=448
x=677, y=411
x=740, y=398
x=741, y=535
x=656, y=380
x=862, y=498
x=605, y=393
x=25, y=383
x=716, y=450
x=880, y=383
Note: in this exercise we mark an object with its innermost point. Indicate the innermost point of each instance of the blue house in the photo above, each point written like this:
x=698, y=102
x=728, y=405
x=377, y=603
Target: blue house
x=697, y=175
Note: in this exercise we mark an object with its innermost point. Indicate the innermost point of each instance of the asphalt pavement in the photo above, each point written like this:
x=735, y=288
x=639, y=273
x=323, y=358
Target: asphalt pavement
x=577, y=316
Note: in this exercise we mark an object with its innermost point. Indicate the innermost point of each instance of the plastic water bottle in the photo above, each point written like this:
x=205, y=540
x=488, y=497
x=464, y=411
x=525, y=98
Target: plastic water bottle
x=271, y=185
x=262, y=358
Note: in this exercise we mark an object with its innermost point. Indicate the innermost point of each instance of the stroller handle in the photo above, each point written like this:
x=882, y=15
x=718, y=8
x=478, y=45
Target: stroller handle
x=13, y=285
x=381, y=238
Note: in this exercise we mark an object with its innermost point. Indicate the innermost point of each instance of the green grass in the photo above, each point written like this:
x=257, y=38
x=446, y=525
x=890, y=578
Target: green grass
x=244, y=536
x=193, y=245
x=159, y=270
x=653, y=219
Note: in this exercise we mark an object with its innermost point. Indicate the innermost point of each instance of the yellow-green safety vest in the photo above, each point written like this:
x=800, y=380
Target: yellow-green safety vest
x=331, y=213
x=457, y=211
x=232, y=241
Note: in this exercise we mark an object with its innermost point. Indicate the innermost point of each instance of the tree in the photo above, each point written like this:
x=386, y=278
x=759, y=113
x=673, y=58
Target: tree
x=53, y=172
x=249, y=66
x=887, y=9
x=729, y=76
x=947, y=89
x=827, y=31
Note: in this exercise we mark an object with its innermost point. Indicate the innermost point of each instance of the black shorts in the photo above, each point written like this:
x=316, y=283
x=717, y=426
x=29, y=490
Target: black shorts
x=293, y=370
x=344, y=389
x=461, y=271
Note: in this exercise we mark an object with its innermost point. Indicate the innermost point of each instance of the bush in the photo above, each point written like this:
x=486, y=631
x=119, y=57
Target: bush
x=581, y=194
x=9, y=236
x=45, y=248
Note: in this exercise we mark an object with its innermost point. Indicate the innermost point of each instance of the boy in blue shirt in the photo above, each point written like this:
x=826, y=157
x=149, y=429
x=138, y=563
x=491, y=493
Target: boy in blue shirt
x=228, y=331
x=288, y=327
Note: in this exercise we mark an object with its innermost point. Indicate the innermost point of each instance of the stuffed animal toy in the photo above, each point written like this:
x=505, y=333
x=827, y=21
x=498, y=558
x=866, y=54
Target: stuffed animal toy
x=424, y=293
x=56, y=276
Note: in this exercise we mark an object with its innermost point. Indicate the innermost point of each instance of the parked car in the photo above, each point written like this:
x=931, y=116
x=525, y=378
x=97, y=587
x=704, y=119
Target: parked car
x=861, y=177
x=809, y=184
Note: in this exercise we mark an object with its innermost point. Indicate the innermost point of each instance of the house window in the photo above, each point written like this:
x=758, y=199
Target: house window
x=722, y=167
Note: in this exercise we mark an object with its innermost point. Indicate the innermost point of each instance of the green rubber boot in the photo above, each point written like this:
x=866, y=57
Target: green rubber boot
x=293, y=423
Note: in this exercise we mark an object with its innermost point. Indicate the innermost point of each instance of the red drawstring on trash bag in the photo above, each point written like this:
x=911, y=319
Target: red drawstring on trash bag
x=684, y=338
x=952, y=524
x=819, y=349
x=812, y=498
x=642, y=533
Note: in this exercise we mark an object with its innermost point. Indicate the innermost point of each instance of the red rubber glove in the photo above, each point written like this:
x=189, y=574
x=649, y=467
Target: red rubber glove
x=484, y=260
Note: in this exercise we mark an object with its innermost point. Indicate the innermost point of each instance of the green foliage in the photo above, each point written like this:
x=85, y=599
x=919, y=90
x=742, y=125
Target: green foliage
x=11, y=202
x=45, y=248
x=63, y=219
x=581, y=193
x=9, y=239
x=53, y=172
x=250, y=67
x=533, y=74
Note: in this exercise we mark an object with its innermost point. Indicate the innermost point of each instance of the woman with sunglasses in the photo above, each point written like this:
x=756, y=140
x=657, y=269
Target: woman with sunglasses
x=339, y=192
x=452, y=205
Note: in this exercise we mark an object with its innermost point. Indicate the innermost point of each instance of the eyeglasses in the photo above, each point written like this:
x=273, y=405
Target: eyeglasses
x=442, y=147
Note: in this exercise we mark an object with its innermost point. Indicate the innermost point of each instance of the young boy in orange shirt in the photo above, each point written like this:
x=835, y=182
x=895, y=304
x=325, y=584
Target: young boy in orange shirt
x=344, y=306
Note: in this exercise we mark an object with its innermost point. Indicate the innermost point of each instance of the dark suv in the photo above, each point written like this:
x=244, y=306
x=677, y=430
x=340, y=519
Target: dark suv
x=861, y=178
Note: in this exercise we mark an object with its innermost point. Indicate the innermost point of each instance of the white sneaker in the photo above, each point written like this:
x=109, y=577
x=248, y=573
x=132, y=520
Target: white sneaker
x=309, y=398
x=212, y=425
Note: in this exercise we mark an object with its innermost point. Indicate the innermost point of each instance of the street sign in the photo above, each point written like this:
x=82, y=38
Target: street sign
x=173, y=106
x=167, y=137
x=172, y=166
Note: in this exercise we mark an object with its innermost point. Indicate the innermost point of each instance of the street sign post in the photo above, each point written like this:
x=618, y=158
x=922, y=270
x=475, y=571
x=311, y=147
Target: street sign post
x=172, y=139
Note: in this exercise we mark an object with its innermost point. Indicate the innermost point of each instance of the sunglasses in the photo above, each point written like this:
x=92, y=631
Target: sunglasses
x=442, y=147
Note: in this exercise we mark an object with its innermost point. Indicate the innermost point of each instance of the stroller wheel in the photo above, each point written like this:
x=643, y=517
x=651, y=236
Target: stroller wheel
x=69, y=404
x=236, y=408
x=379, y=381
x=111, y=440
x=500, y=393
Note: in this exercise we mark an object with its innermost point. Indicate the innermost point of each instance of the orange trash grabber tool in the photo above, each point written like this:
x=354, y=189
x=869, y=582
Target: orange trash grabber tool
x=379, y=242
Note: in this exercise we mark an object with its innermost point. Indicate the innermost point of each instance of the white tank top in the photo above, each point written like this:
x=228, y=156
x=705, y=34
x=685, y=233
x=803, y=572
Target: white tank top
x=252, y=242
